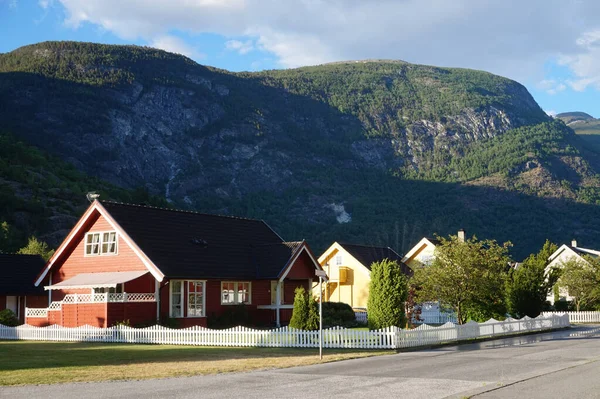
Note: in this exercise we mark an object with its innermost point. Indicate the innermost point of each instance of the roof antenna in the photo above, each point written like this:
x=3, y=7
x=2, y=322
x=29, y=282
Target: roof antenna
x=92, y=196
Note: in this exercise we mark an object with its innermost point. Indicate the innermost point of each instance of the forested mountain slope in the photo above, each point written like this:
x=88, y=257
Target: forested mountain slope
x=376, y=152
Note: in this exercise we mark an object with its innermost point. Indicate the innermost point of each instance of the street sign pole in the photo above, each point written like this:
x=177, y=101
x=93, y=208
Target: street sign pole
x=320, y=318
x=322, y=276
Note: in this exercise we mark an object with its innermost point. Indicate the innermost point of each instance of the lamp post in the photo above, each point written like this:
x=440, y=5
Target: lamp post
x=322, y=276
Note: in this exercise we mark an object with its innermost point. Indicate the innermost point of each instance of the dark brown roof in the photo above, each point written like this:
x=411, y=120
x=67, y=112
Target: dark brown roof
x=19, y=273
x=184, y=244
x=434, y=241
x=367, y=255
x=273, y=258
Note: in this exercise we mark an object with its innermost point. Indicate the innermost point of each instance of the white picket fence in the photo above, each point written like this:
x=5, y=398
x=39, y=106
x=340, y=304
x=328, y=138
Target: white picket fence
x=439, y=318
x=337, y=337
x=577, y=317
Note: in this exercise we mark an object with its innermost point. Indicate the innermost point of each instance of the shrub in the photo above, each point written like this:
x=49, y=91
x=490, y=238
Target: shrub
x=8, y=318
x=338, y=314
x=306, y=311
x=301, y=309
x=388, y=291
x=233, y=316
x=562, y=306
x=124, y=323
x=169, y=322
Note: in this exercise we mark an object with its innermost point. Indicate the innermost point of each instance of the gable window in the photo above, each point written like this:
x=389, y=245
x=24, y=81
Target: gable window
x=235, y=292
x=104, y=243
x=195, y=305
x=338, y=260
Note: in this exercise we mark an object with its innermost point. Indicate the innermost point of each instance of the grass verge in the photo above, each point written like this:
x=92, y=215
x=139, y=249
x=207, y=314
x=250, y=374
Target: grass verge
x=26, y=362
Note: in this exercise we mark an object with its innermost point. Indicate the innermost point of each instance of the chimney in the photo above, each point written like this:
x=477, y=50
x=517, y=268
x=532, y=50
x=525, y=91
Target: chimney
x=461, y=235
x=573, y=243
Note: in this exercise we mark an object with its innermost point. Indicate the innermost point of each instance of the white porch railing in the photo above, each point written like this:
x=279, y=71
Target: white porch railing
x=91, y=298
x=578, y=317
x=387, y=338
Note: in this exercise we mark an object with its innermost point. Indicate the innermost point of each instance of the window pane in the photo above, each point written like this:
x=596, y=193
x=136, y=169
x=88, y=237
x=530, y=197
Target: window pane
x=176, y=308
x=228, y=292
x=195, y=294
x=243, y=292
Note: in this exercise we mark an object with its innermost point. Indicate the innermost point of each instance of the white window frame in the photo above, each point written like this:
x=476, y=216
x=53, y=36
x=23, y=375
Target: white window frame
x=100, y=243
x=339, y=260
x=187, y=295
x=235, y=293
x=184, y=304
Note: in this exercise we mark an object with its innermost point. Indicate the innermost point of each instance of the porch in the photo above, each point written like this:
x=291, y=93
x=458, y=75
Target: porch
x=98, y=309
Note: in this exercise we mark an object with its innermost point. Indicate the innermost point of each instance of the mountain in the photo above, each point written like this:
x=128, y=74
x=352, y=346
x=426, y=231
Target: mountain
x=44, y=196
x=585, y=125
x=375, y=152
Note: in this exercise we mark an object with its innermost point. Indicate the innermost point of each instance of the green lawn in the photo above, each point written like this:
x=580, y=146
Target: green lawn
x=26, y=362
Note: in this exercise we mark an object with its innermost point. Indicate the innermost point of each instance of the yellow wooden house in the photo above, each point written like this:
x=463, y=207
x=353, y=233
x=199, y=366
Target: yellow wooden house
x=348, y=268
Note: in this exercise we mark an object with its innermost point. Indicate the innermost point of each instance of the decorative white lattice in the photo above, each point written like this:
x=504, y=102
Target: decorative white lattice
x=36, y=312
x=140, y=297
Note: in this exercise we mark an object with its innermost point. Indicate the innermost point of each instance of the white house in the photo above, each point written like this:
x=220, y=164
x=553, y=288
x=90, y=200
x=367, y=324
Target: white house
x=423, y=254
x=563, y=255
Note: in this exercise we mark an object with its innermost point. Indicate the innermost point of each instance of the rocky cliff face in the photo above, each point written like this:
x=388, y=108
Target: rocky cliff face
x=296, y=143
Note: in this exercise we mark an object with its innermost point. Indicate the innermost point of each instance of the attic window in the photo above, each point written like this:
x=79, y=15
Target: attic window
x=200, y=242
x=338, y=260
x=101, y=243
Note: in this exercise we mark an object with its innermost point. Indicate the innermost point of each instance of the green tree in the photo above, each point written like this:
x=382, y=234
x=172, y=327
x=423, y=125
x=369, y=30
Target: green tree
x=528, y=286
x=5, y=237
x=582, y=281
x=467, y=277
x=388, y=291
x=301, y=309
x=36, y=247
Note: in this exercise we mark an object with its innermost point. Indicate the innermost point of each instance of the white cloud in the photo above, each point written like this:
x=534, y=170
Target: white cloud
x=551, y=113
x=176, y=45
x=240, y=47
x=551, y=86
x=585, y=65
x=45, y=3
x=510, y=37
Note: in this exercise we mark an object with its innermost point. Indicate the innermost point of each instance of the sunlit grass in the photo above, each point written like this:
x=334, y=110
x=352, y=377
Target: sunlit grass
x=55, y=362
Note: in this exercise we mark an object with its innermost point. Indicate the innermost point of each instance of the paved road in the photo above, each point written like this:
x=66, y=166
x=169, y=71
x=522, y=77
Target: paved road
x=552, y=365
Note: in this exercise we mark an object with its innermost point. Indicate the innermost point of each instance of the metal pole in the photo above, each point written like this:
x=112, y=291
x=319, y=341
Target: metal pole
x=320, y=317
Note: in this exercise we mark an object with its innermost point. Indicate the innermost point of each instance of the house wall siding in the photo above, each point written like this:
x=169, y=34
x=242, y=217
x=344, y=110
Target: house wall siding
x=73, y=261
x=424, y=257
x=134, y=313
x=80, y=314
x=355, y=290
x=565, y=256
x=303, y=268
x=261, y=295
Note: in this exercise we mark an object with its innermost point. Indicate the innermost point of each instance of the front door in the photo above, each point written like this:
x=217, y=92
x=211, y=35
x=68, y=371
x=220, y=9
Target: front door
x=11, y=303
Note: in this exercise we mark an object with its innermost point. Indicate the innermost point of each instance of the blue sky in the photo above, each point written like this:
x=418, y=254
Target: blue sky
x=551, y=46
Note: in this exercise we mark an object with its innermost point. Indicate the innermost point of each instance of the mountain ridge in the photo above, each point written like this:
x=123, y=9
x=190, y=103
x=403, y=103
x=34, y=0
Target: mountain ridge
x=303, y=147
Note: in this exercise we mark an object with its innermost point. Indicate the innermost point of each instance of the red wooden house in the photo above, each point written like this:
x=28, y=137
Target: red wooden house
x=138, y=263
x=16, y=287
